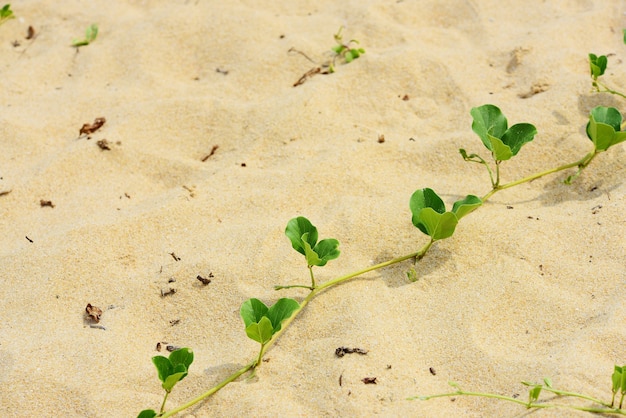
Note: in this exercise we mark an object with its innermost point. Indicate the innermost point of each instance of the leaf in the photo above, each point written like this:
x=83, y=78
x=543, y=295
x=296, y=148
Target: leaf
x=164, y=367
x=281, y=310
x=465, y=206
x=182, y=356
x=147, y=413
x=260, y=332
x=616, y=379
x=517, y=135
x=296, y=228
x=91, y=33
x=534, y=393
x=438, y=225
x=488, y=121
x=500, y=151
x=597, y=65
x=252, y=311
x=327, y=249
x=172, y=379
x=430, y=216
x=604, y=127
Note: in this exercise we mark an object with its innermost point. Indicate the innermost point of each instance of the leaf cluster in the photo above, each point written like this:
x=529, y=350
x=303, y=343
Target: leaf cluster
x=262, y=322
x=91, y=33
x=303, y=236
x=430, y=215
x=6, y=13
x=604, y=128
x=346, y=51
x=171, y=370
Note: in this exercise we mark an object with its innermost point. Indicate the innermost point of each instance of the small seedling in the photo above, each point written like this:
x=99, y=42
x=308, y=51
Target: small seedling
x=430, y=216
x=91, y=33
x=491, y=126
x=618, y=380
x=171, y=371
x=303, y=237
x=262, y=322
x=346, y=52
x=6, y=14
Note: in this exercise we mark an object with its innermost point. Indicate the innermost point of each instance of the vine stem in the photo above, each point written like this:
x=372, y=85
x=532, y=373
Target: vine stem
x=526, y=404
x=315, y=290
x=581, y=164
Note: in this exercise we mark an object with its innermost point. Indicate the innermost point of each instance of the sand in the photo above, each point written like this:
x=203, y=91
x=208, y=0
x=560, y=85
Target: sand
x=530, y=286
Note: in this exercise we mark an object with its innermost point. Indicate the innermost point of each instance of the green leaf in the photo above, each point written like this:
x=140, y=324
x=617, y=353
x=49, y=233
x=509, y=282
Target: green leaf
x=597, y=65
x=260, y=332
x=430, y=216
x=252, y=311
x=147, y=413
x=281, y=310
x=488, y=121
x=438, y=225
x=172, y=379
x=312, y=259
x=491, y=126
x=465, y=206
x=164, y=367
x=6, y=13
x=533, y=394
x=616, y=379
x=604, y=127
x=182, y=356
x=296, y=228
x=91, y=33
x=327, y=249
x=517, y=135
x=500, y=151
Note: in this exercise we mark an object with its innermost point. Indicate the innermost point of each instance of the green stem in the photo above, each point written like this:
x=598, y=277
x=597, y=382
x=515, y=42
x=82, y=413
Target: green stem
x=576, y=395
x=528, y=405
x=312, y=277
x=581, y=164
x=164, y=400
x=214, y=389
x=607, y=90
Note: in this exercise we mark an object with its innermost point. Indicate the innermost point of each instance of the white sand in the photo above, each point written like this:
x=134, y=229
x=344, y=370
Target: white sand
x=508, y=298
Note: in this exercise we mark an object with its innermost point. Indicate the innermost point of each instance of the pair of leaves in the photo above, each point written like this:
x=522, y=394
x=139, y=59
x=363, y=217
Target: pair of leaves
x=262, y=322
x=618, y=380
x=430, y=215
x=597, y=65
x=492, y=128
x=348, y=54
x=604, y=127
x=303, y=237
x=173, y=369
x=91, y=33
x=6, y=13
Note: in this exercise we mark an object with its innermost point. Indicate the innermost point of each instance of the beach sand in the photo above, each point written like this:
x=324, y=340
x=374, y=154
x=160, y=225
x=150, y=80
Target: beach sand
x=530, y=286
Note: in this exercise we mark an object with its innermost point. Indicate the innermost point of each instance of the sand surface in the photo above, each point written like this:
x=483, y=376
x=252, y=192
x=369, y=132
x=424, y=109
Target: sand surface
x=531, y=285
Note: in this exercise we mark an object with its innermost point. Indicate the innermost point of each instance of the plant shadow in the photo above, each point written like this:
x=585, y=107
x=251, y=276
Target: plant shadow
x=396, y=276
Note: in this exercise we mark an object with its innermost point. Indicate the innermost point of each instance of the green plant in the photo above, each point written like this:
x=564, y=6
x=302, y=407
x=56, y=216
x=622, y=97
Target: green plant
x=91, y=33
x=6, y=14
x=265, y=324
x=344, y=51
x=618, y=385
x=171, y=371
x=597, y=65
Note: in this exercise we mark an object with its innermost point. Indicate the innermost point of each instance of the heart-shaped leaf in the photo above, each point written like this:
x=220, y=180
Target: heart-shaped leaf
x=488, y=121
x=430, y=216
x=604, y=128
x=147, y=413
x=281, y=310
x=173, y=369
x=317, y=254
x=260, y=332
x=491, y=126
x=597, y=65
x=252, y=311
x=296, y=228
x=465, y=206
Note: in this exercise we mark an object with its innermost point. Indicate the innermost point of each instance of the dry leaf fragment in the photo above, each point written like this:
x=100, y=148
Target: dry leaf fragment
x=93, y=312
x=369, y=380
x=91, y=128
x=104, y=145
